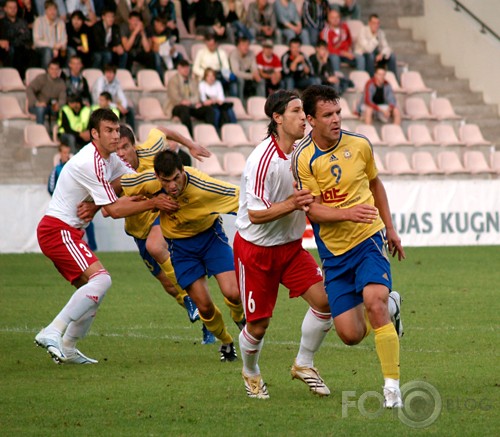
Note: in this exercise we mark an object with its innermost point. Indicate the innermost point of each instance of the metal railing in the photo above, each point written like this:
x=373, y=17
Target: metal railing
x=484, y=27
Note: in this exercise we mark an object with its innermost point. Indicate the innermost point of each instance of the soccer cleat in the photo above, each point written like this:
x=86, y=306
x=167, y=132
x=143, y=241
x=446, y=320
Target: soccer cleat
x=208, y=337
x=255, y=387
x=392, y=398
x=228, y=352
x=51, y=343
x=76, y=357
x=311, y=377
x=396, y=318
x=191, y=309
x=241, y=324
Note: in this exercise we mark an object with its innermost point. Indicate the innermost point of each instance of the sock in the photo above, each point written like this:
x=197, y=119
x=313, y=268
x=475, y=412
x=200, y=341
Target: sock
x=368, y=324
x=391, y=383
x=387, y=346
x=87, y=298
x=168, y=269
x=77, y=330
x=392, y=307
x=314, y=329
x=250, y=349
x=236, y=310
x=217, y=327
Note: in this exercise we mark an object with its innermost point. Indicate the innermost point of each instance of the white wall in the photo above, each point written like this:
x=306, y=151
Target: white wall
x=456, y=37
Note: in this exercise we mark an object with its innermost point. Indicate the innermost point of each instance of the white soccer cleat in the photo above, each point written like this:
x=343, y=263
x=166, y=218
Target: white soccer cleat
x=311, y=377
x=392, y=398
x=255, y=387
x=76, y=357
x=52, y=343
x=396, y=317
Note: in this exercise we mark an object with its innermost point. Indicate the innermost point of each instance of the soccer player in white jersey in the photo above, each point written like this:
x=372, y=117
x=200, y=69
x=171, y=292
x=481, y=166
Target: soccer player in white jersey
x=268, y=248
x=88, y=175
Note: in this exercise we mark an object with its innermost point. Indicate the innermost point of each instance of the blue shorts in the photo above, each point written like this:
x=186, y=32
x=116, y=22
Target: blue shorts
x=347, y=275
x=207, y=253
x=150, y=262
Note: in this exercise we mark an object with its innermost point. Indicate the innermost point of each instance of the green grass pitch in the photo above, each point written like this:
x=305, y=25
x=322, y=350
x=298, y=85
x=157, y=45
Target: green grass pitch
x=154, y=378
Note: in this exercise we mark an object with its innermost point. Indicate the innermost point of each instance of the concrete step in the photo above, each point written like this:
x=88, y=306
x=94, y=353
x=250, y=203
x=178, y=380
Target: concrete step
x=447, y=84
x=464, y=98
x=480, y=110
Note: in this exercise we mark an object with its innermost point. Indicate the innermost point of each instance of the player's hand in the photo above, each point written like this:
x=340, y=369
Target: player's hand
x=165, y=203
x=86, y=211
x=394, y=244
x=362, y=213
x=301, y=198
x=199, y=152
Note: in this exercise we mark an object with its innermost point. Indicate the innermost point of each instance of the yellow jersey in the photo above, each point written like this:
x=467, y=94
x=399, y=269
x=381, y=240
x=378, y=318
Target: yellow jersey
x=341, y=177
x=201, y=202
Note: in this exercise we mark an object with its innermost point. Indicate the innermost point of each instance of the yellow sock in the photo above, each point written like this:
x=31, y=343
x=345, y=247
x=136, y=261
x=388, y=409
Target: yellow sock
x=387, y=346
x=235, y=310
x=168, y=269
x=368, y=325
x=217, y=327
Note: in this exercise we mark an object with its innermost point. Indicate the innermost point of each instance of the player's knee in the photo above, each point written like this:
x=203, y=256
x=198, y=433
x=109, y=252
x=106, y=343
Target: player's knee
x=102, y=281
x=350, y=338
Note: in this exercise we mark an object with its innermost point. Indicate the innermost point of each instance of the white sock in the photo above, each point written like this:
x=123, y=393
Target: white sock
x=392, y=306
x=77, y=330
x=85, y=299
x=314, y=329
x=391, y=383
x=250, y=349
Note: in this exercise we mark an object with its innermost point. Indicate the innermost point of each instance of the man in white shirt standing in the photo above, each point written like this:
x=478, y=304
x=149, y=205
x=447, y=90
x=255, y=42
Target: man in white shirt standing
x=268, y=248
x=88, y=175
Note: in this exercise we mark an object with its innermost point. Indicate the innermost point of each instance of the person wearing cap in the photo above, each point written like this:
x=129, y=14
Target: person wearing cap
x=269, y=66
x=73, y=123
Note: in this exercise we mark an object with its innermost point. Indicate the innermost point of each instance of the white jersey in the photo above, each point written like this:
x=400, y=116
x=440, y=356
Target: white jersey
x=86, y=176
x=268, y=179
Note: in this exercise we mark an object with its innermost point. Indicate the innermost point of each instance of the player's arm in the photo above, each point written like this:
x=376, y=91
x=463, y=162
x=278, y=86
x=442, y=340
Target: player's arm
x=362, y=213
x=126, y=206
x=196, y=150
x=378, y=190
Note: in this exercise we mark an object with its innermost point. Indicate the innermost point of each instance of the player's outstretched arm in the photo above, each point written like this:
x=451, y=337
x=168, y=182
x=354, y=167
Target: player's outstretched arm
x=319, y=213
x=196, y=150
x=126, y=206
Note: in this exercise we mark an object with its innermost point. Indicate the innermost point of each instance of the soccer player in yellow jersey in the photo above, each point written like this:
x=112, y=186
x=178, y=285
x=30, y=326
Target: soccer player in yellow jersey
x=196, y=239
x=352, y=225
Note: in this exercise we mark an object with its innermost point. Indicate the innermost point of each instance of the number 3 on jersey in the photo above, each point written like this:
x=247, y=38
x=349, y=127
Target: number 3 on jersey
x=88, y=254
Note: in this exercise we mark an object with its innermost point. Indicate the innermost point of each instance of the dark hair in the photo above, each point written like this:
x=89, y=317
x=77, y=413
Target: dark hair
x=101, y=115
x=277, y=103
x=54, y=61
x=318, y=93
x=135, y=14
x=73, y=98
x=372, y=16
x=242, y=39
x=50, y=3
x=75, y=57
x=78, y=14
x=321, y=43
x=294, y=41
x=183, y=63
x=126, y=132
x=209, y=36
x=109, y=67
x=107, y=11
x=106, y=95
x=166, y=162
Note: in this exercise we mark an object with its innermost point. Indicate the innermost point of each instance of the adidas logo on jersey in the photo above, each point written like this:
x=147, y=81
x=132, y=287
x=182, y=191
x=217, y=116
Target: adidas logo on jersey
x=333, y=158
x=94, y=298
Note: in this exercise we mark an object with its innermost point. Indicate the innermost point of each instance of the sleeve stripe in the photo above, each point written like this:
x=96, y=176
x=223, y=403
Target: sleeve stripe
x=153, y=150
x=211, y=187
x=98, y=164
x=138, y=179
x=262, y=169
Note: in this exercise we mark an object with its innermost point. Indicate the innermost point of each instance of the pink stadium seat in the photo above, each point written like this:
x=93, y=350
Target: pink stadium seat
x=355, y=27
x=31, y=73
x=412, y=82
x=416, y=109
x=471, y=135
x=255, y=108
x=207, y=136
x=424, y=164
x=144, y=130
x=181, y=129
x=475, y=162
x=149, y=80
x=393, y=135
x=150, y=109
x=195, y=48
x=182, y=50
x=397, y=164
x=379, y=164
x=10, y=80
x=210, y=166
x=126, y=80
x=279, y=50
x=442, y=109
x=35, y=135
x=450, y=163
x=238, y=108
x=308, y=50
x=391, y=78
x=495, y=161
x=233, y=135
x=256, y=48
x=420, y=136
x=91, y=74
x=10, y=109
x=445, y=135
x=228, y=48
x=234, y=163
x=359, y=78
x=257, y=132
x=168, y=75
x=370, y=132
x=346, y=111
x=183, y=32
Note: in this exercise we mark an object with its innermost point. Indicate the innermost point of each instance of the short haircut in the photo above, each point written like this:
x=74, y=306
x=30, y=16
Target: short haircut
x=107, y=11
x=75, y=57
x=321, y=43
x=54, y=61
x=78, y=14
x=372, y=16
x=318, y=93
x=277, y=103
x=100, y=115
x=135, y=14
x=126, y=132
x=166, y=162
x=73, y=98
x=209, y=36
x=49, y=3
x=183, y=63
x=106, y=95
x=109, y=67
x=242, y=39
x=295, y=40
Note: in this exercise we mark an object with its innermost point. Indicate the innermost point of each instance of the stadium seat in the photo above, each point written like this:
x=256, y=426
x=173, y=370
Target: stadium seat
x=183, y=32
x=449, y=162
x=10, y=109
x=391, y=78
x=420, y=136
x=238, y=108
x=10, y=80
x=257, y=132
x=475, y=162
x=416, y=109
x=182, y=50
x=181, y=129
x=397, y=164
x=445, y=135
x=442, y=109
x=346, y=111
x=308, y=50
x=31, y=73
x=355, y=27
x=167, y=76
x=210, y=166
x=126, y=80
x=149, y=80
x=150, y=109
x=206, y=135
x=35, y=135
x=495, y=161
x=379, y=164
x=255, y=108
x=471, y=135
x=424, y=164
x=234, y=163
x=144, y=130
x=279, y=50
x=91, y=74
x=256, y=48
x=195, y=48
x=412, y=82
x=228, y=48
x=393, y=135
x=359, y=78
x=370, y=132
x=233, y=135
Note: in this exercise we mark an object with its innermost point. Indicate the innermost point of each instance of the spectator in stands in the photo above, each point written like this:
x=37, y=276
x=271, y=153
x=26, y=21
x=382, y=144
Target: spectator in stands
x=46, y=93
x=373, y=46
x=76, y=84
x=49, y=35
x=106, y=102
x=136, y=44
x=27, y=11
x=108, y=82
x=269, y=66
x=86, y=7
x=210, y=18
x=378, y=99
x=184, y=98
x=314, y=18
x=212, y=94
x=297, y=69
x=15, y=40
x=261, y=21
x=323, y=66
x=244, y=66
x=235, y=17
x=78, y=37
x=163, y=46
x=61, y=7
x=106, y=42
x=73, y=124
x=338, y=37
x=289, y=21
x=165, y=9
x=349, y=9
x=125, y=7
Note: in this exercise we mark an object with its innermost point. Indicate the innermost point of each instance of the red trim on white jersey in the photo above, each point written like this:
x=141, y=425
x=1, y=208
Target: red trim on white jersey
x=99, y=171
